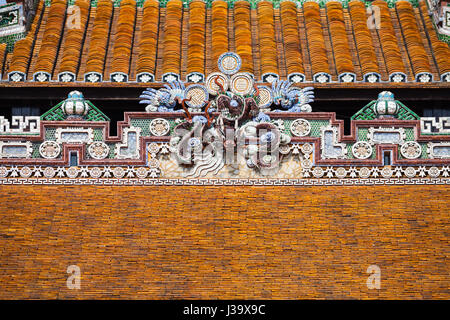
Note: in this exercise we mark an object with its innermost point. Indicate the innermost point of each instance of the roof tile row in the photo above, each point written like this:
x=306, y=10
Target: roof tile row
x=338, y=40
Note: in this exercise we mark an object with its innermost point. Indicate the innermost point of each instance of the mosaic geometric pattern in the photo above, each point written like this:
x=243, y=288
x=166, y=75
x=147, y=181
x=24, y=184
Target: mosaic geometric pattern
x=435, y=125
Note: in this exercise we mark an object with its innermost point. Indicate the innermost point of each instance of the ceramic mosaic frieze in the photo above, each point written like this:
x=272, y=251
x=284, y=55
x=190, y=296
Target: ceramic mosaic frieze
x=12, y=20
x=19, y=125
x=231, y=128
x=435, y=125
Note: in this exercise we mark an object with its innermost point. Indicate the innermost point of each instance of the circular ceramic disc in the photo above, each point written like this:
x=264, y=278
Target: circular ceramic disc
x=241, y=83
x=265, y=97
x=229, y=63
x=300, y=127
x=198, y=95
x=212, y=87
x=159, y=127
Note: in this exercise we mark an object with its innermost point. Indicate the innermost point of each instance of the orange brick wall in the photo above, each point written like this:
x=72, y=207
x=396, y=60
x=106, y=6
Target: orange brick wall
x=224, y=242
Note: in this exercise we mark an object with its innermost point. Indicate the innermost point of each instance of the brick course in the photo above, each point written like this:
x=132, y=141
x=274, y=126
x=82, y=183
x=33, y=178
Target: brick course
x=224, y=242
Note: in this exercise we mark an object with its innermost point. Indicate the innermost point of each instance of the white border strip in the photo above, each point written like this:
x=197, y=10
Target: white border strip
x=225, y=182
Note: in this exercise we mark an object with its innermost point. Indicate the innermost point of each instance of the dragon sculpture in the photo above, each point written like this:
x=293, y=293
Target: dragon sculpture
x=232, y=122
x=196, y=142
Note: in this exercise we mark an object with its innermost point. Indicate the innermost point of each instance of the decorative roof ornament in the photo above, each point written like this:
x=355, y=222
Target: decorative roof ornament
x=292, y=99
x=75, y=106
x=229, y=63
x=204, y=143
x=241, y=84
x=212, y=81
x=164, y=99
x=230, y=90
x=385, y=107
x=197, y=97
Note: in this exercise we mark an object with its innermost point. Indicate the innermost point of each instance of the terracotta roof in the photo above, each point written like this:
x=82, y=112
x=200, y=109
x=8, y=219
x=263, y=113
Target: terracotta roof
x=311, y=40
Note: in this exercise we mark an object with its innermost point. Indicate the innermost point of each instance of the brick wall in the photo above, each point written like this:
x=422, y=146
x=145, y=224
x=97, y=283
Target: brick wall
x=224, y=242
